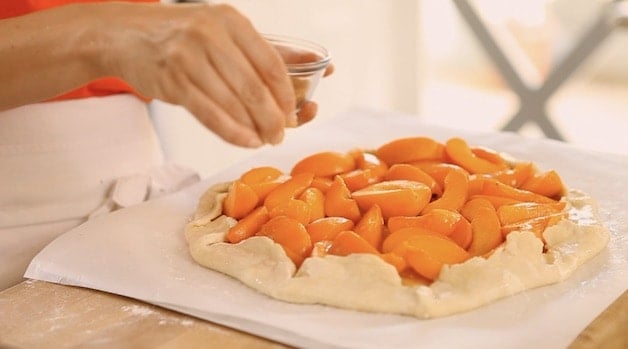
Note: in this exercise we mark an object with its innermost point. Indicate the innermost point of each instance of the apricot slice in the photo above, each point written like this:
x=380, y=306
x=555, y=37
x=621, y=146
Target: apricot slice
x=395, y=198
x=516, y=176
x=263, y=189
x=369, y=170
x=260, y=174
x=248, y=226
x=399, y=222
x=485, y=226
x=365, y=160
x=438, y=220
x=371, y=226
x=441, y=220
x=547, y=184
x=358, y=179
x=325, y=164
x=509, y=214
x=459, y=152
x=395, y=260
x=497, y=188
x=291, y=235
x=404, y=150
x=535, y=225
x=338, y=201
x=412, y=173
x=289, y=189
x=496, y=201
x=411, y=278
x=462, y=234
x=489, y=155
x=322, y=183
x=263, y=180
x=315, y=198
x=395, y=239
x=320, y=248
x=438, y=170
x=427, y=254
x=240, y=200
x=293, y=208
x=455, y=191
x=476, y=184
x=348, y=242
x=327, y=228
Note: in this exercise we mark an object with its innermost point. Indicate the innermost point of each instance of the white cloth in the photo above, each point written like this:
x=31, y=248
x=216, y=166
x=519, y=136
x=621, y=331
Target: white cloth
x=62, y=162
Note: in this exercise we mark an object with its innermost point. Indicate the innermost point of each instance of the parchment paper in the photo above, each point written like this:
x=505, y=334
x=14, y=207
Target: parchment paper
x=140, y=252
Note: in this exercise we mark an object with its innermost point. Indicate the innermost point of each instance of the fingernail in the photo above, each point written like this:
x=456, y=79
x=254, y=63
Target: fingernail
x=293, y=120
x=255, y=142
x=277, y=138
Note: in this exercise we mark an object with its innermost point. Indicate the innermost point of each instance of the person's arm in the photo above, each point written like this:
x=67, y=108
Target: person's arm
x=207, y=58
x=45, y=54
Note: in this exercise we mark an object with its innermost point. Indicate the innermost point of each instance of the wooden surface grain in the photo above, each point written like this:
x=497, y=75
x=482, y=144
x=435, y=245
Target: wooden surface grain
x=36, y=314
x=609, y=330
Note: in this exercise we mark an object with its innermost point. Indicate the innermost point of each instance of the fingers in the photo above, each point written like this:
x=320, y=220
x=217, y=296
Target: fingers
x=255, y=95
x=215, y=118
x=329, y=70
x=212, y=86
x=267, y=62
x=212, y=103
x=255, y=73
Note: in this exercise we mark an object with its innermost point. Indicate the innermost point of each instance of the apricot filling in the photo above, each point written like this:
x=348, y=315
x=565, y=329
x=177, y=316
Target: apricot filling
x=417, y=203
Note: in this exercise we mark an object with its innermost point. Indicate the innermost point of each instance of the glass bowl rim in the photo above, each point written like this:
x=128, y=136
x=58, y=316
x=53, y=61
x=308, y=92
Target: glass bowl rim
x=308, y=67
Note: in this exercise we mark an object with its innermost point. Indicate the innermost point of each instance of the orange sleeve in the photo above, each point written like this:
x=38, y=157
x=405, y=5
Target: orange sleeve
x=101, y=87
x=13, y=8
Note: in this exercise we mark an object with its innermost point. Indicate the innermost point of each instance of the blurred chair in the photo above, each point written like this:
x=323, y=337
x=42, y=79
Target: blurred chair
x=514, y=66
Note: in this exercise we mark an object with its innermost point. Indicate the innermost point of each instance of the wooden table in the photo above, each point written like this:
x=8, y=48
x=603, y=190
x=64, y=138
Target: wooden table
x=37, y=314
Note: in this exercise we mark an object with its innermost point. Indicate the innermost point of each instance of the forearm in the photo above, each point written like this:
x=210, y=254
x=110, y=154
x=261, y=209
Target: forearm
x=47, y=53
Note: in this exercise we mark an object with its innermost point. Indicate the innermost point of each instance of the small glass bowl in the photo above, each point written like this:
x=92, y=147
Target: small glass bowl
x=306, y=62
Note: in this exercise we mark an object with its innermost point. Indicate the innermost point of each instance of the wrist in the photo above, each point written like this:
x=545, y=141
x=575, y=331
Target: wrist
x=93, y=42
x=117, y=36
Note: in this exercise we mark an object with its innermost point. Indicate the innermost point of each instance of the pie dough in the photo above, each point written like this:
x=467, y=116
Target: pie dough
x=365, y=282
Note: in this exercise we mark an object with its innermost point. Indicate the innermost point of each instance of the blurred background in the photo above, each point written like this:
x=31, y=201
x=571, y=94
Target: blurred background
x=422, y=57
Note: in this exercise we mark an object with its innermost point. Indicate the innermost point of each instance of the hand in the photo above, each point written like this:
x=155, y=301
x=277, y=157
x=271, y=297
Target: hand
x=209, y=59
x=309, y=109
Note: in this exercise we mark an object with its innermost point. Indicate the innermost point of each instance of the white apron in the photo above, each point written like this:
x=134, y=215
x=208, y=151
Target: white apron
x=61, y=162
